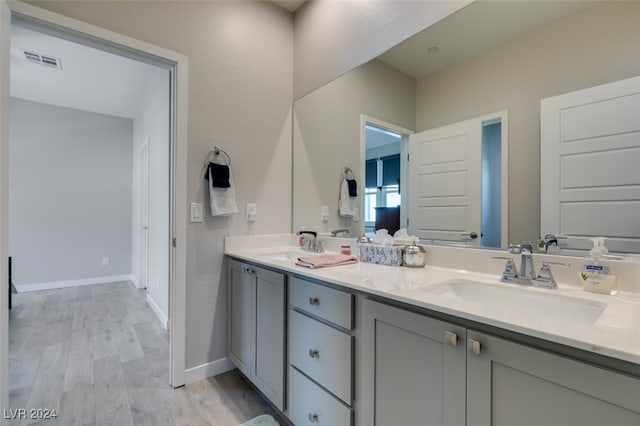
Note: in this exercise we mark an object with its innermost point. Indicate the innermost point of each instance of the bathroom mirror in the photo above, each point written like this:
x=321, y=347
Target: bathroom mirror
x=489, y=58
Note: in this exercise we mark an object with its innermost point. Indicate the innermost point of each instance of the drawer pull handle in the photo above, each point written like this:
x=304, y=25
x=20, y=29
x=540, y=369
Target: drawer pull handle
x=313, y=353
x=473, y=346
x=451, y=338
x=314, y=301
x=313, y=418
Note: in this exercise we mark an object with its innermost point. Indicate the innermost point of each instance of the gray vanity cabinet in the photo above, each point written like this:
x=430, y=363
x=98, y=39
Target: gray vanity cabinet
x=513, y=384
x=412, y=368
x=256, y=302
x=412, y=373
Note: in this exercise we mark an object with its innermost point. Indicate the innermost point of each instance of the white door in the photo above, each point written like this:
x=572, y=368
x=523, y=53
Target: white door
x=590, y=165
x=445, y=183
x=143, y=281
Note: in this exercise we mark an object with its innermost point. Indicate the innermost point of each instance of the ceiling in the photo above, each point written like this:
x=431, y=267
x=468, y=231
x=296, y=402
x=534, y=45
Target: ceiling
x=474, y=28
x=89, y=79
x=290, y=5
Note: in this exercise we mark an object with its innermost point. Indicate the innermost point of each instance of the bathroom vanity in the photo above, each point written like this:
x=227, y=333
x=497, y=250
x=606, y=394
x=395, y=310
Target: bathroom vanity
x=369, y=344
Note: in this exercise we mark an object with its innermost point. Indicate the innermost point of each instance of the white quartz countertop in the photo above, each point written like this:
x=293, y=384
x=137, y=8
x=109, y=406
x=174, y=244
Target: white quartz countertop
x=615, y=333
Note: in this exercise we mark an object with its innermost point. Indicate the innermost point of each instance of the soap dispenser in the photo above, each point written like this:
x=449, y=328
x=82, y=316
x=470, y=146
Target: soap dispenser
x=596, y=277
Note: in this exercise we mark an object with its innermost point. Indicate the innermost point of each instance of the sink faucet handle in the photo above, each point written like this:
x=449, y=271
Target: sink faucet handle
x=510, y=271
x=545, y=277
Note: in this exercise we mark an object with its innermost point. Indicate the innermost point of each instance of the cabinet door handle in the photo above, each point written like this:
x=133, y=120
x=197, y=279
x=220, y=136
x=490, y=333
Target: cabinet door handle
x=313, y=418
x=451, y=338
x=313, y=353
x=473, y=346
x=314, y=301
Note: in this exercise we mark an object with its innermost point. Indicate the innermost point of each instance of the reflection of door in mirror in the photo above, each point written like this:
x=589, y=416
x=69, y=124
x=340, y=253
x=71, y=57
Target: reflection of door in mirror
x=457, y=188
x=590, y=156
x=384, y=144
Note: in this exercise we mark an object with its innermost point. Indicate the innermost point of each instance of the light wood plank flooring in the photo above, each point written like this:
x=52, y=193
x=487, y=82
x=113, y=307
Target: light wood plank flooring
x=99, y=356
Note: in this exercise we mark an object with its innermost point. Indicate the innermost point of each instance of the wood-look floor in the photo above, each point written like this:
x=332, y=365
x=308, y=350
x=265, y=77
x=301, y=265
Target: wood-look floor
x=97, y=355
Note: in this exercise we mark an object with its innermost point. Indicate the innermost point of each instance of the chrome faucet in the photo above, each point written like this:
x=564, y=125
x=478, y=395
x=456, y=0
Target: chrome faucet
x=311, y=243
x=339, y=231
x=527, y=274
x=527, y=270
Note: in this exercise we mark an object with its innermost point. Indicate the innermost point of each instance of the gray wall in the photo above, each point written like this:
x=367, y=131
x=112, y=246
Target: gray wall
x=591, y=47
x=69, y=193
x=326, y=138
x=240, y=96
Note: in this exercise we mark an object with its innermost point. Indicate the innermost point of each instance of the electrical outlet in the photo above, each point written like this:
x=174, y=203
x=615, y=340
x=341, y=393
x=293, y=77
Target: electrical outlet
x=105, y=261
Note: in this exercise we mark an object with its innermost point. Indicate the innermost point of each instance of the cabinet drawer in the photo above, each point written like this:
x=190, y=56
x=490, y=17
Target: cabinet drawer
x=310, y=404
x=333, y=305
x=322, y=353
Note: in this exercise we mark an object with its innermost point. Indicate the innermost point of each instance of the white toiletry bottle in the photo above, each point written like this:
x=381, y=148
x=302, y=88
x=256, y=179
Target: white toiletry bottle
x=596, y=277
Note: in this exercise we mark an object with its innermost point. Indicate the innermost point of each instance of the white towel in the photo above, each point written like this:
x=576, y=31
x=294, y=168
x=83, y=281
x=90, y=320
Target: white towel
x=222, y=200
x=346, y=204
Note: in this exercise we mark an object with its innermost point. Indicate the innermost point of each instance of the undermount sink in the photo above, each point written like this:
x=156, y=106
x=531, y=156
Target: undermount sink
x=288, y=255
x=524, y=301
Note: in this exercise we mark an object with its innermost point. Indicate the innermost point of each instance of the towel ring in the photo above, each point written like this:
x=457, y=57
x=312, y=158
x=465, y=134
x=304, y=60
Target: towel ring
x=347, y=172
x=217, y=151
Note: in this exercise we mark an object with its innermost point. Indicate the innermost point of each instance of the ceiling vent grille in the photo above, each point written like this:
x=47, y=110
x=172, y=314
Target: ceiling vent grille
x=44, y=60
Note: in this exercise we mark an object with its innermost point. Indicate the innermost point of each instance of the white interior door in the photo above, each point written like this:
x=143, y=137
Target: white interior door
x=144, y=215
x=445, y=182
x=590, y=165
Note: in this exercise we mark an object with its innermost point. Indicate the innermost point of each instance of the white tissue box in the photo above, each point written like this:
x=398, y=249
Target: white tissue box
x=382, y=255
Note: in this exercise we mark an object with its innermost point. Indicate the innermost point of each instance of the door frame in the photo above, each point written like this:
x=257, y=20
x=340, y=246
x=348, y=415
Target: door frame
x=143, y=203
x=404, y=170
x=178, y=66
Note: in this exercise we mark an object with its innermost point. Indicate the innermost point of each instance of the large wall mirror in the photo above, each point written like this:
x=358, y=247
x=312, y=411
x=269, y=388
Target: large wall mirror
x=485, y=69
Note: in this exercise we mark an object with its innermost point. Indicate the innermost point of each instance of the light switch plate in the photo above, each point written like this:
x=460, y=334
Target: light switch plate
x=324, y=213
x=196, y=213
x=252, y=212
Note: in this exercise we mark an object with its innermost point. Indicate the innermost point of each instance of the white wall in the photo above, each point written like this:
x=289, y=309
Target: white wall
x=69, y=194
x=240, y=95
x=153, y=123
x=591, y=47
x=333, y=37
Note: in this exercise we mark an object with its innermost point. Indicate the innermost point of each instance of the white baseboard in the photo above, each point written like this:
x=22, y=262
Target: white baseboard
x=156, y=310
x=23, y=288
x=204, y=371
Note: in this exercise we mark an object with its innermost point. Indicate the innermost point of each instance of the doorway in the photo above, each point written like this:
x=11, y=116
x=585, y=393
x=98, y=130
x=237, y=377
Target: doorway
x=385, y=175
x=458, y=182
x=176, y=65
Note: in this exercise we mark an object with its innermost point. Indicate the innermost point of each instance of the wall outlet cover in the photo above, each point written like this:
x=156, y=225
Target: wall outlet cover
x=105, y=261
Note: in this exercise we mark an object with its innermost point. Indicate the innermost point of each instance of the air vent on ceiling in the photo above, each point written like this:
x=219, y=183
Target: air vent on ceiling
x=44, y=60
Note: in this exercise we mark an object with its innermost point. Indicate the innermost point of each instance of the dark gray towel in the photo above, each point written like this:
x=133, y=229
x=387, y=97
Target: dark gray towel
x=353, y=187
x=219, y=175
